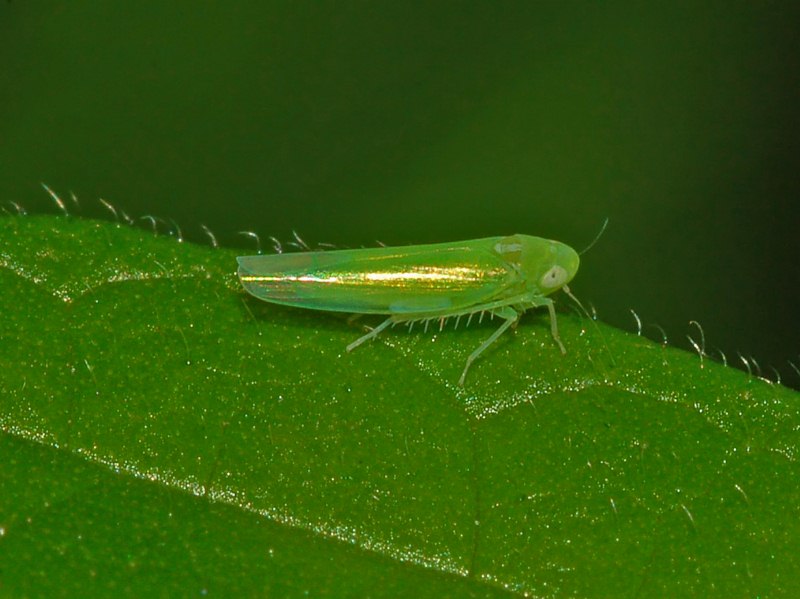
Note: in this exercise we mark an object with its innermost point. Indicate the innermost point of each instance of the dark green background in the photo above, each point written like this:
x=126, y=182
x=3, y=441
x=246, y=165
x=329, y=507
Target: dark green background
x=422, y=122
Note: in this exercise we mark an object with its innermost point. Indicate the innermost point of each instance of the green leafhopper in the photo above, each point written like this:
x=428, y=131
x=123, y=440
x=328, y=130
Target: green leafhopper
x=501, y=276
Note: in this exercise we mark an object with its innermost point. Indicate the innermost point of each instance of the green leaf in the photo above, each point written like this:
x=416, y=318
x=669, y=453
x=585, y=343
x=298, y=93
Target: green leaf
x=164, y=431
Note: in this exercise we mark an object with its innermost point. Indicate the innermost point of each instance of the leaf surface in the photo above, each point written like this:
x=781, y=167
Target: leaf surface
x=162, y=430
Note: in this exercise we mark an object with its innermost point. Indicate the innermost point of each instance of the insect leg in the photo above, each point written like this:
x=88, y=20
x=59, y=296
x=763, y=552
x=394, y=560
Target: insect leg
x=510, y=315
x=553, y=326
x=373, y=333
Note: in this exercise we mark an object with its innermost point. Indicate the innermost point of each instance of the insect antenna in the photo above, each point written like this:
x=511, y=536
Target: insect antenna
x=570, y=295
x=596, y=238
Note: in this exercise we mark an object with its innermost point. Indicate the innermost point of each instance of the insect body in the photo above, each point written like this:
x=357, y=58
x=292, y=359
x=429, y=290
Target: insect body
x=502, y=276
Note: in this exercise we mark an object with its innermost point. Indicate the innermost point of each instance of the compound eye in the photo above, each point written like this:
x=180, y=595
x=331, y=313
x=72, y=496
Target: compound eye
x=554, y=278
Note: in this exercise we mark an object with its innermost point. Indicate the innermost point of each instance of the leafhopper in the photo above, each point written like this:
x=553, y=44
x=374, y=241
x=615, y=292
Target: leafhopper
x=500, y=276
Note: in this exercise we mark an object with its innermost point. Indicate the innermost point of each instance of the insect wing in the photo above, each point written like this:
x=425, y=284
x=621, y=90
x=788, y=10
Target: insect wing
x=436, y=278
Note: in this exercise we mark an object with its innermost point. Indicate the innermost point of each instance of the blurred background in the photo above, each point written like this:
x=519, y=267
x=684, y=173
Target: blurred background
x=416, y=122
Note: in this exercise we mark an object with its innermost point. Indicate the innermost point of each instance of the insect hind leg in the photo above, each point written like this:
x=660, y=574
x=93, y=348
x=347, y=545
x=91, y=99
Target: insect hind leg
x=511, y=316
x=371, y=335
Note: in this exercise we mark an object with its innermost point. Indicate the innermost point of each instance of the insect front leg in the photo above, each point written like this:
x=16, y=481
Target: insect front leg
x=537, y=301
x=373, y=333
x=511, y=316
x=553, y=326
